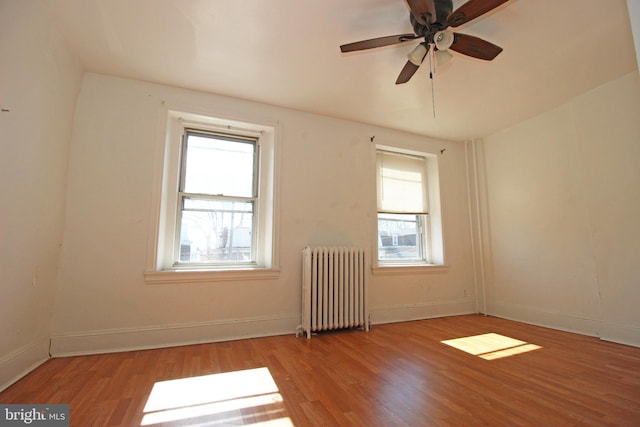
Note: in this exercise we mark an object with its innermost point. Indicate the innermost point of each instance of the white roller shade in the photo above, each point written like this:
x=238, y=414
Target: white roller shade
x=402, y=183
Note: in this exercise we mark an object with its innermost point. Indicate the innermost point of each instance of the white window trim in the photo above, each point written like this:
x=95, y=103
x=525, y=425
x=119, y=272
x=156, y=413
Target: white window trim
x=159, y=267
x=435, y=240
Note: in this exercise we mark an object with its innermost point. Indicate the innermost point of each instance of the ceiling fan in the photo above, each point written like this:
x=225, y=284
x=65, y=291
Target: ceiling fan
x=431, y=20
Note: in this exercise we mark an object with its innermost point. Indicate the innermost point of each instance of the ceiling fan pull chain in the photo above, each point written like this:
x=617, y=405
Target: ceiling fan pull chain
x=431, y=70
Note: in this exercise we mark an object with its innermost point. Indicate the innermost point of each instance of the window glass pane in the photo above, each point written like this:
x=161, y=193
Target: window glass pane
x=399, y=237
x=219, y=166
x=216, y=231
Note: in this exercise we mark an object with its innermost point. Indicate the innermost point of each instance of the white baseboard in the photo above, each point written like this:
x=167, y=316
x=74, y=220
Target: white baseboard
x=621, y=333
x=20, y=362
x=419, y=311
x=550, y=319
x=117, y=340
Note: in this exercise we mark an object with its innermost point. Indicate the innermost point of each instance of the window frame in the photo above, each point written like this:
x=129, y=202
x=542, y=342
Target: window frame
x=182, y=195
x=161, y=247
x=422, y=236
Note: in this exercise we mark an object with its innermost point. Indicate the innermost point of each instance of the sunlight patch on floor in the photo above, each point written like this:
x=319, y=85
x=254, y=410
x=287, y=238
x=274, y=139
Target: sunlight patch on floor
x=491, y=346
x=219, y=399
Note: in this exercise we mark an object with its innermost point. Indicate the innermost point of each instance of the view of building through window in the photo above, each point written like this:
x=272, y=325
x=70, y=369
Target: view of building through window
x=397, y=237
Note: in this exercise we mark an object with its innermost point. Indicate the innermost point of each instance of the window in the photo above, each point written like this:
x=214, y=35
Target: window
x=216, y=200
x=407, y=232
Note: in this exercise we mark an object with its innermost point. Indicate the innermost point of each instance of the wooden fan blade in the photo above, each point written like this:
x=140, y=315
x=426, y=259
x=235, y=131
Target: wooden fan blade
x=416, y=57
x=414, y=62
x=407, y=72
x=471, y=10
x=377, y=42
x=423, y=10
x=475, y=47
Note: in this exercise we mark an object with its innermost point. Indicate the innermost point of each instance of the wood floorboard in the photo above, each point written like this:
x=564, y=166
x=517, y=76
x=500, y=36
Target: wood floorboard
x=395, y=375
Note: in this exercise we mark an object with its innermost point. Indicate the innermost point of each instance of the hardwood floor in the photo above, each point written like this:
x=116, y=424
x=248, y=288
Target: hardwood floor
x=395, y=375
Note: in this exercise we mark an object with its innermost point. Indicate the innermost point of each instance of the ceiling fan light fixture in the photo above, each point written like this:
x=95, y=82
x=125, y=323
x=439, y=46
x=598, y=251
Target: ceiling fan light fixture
x=442, y=57
x=417, y=55
x=443, y=39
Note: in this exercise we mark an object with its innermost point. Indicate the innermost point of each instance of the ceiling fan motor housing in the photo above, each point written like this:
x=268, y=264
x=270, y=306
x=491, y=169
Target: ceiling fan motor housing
x=443, y=10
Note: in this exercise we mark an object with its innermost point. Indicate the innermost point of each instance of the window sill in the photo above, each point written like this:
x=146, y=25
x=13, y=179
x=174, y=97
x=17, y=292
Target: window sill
x=205, y=276
x=392, y=270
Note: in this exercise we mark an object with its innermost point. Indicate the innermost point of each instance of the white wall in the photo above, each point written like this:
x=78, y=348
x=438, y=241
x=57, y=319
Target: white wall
x=326, y=197
x=562, y=202
x=38, y=84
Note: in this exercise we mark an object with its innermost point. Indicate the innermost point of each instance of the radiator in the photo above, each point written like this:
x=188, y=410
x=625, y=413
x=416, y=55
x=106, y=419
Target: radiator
x=334, y=289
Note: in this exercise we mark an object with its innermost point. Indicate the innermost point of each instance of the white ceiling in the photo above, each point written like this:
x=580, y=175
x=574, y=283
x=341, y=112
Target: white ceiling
x=285, y=53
